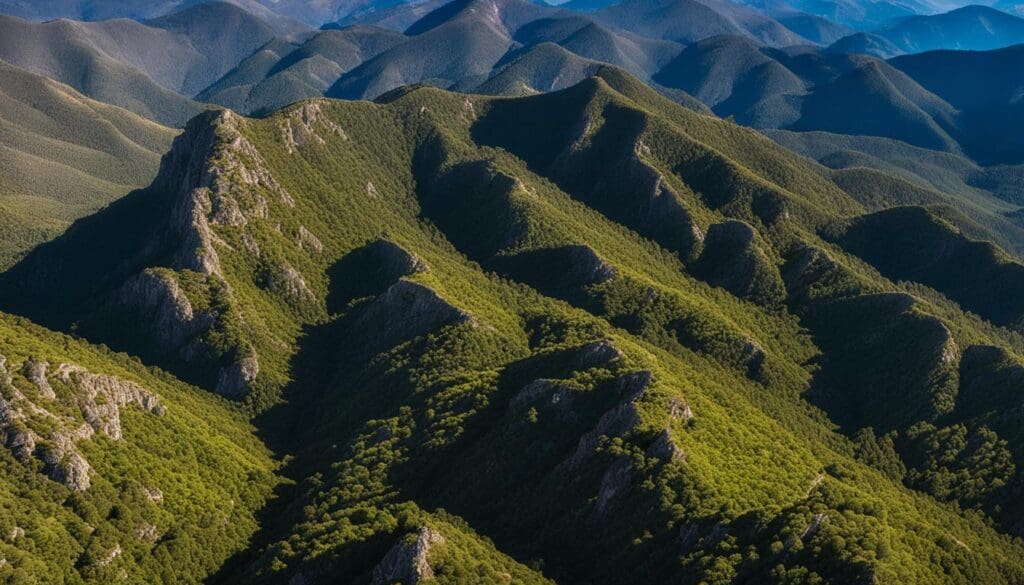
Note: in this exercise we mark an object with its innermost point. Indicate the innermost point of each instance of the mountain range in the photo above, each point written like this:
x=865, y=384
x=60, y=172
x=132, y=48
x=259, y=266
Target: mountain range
x=494, y=291
x=609, y=321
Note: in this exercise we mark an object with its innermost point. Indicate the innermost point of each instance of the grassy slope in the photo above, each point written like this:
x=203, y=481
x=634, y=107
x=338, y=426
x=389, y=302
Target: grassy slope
x=64, y=157
x=433, y=422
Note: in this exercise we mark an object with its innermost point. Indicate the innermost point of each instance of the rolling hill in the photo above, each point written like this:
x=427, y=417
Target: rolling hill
x=64, y=156
x=61, y=50
x=686, y=327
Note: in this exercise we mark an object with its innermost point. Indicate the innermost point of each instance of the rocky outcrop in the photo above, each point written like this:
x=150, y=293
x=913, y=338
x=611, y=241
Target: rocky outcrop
x=101, y=397
x=307, y=241
x=161, y=311
x=235, y=380
x=614, y=481
x=35, y=372
x=405, y=311
x=220, y=178
x=596, y=354
x=289, y=282
x=665, y=448
x=31, y=430
x=408, y=562
x=307, y=124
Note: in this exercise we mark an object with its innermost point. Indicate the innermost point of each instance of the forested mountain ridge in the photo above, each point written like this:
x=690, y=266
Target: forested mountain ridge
x=437, y=283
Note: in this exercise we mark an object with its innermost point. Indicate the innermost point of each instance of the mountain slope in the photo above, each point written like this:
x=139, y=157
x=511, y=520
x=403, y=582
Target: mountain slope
x=655, y=305
x=64, y=156
x=109, y=469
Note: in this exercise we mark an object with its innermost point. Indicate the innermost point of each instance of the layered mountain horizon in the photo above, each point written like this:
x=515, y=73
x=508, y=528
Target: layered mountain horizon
x=496, y=291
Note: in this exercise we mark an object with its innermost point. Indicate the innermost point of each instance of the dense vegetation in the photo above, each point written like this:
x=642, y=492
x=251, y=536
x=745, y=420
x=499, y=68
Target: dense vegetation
x=589, y=337
x=171, y=493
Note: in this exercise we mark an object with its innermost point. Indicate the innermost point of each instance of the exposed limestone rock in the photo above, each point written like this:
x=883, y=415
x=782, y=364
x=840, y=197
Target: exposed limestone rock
x=154, y=300
x=147, y=532
x=678, y=409
x=408, y=562
x=235, y=380
x=371, y=190
x=110, y=556
x=153, y=494
x=597, y=354
x=101, y=397
x=406, y=310
x=98, y=398
x=550, y=391
x=35, y=372
x=614, y=481
x=223, y=179
x=665, y=448
x=16, y=533
x=63, y=462
x=950, y=350
x=309, y=242
x=250, y=244
x=304, y=125
x=289, y=282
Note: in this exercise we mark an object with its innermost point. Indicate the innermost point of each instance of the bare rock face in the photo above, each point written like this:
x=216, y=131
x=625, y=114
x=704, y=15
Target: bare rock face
x=31, y=430
x=155, y=301
x=405, y=311
x=597, y=354
x=665, y=448
x=223, y=180
x=614, y=481
x=35, y=372
x=101, y=397
x=235, y=380
x=308, y=241
x=408, y=562
x=307, y=124
x=289, y=283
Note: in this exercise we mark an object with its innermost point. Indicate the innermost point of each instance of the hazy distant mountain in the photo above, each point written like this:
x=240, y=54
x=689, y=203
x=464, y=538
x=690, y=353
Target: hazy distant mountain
x=133, y=9
x=79, y=54
x=460, y=45
x=398, y=17
x=976, y=28
x=281, y=73
x=987, y=88
x=64, y=156
x=867, y=44
x=687, y=21
x=811, y=27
